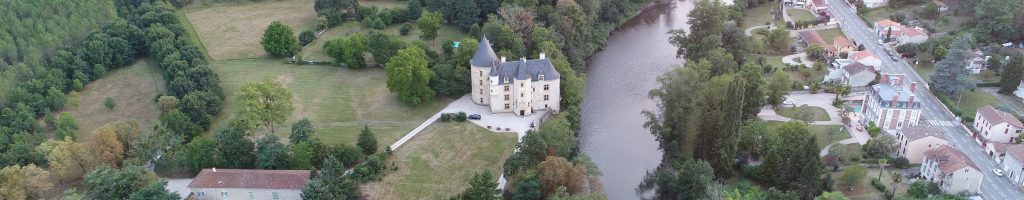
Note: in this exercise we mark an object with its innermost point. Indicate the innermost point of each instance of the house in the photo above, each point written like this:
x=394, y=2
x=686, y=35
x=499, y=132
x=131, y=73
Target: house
x=867, y=58
x=875, y=3
x=899, y=33
x=816, y=5
x=843, y=45
x=915, y=140
x=915, y=35
x=811, y=37
x=884, y=26
x=521, y=87
x=215, y=183
x=858, y=75
x=976, y=65
x=891, y=104
x=996, y=125
x=951, y=170
x=996, y=150
x=1013, y=164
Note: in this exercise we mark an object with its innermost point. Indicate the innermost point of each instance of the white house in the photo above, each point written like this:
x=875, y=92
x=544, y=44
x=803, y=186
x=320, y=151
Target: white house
x=915, y=140
x=875, y=3
x=915, y=35
x=217, y=184
x=521, y=87
x=866, y=58
x=1020, y=90
x=858, y=75
x=996, y=125
x=951, y=170
x=891, y=103
x=976, y=65
x=899, y=33
x=884, y=26
x=1013, y=164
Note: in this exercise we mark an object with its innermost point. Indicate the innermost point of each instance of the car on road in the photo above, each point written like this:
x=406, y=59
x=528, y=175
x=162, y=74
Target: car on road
x=788, y=102
x=474, y=116
x=880, y=42
x=998, y=172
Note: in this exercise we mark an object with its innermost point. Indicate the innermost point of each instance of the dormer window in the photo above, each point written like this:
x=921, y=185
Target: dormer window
x=506, y=80
x=540, y=77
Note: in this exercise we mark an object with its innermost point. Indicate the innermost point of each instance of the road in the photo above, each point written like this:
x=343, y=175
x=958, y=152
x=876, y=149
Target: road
x=992, y=186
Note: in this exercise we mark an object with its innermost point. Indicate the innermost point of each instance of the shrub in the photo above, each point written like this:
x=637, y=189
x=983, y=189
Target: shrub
x=445, y=117
x=460, y=117
x=900, y=162
x=406, y=28
x=306, y=37
x=878, y=185
x=109, y=103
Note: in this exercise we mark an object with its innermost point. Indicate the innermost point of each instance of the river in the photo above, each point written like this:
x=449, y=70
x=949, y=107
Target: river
x=618, y=79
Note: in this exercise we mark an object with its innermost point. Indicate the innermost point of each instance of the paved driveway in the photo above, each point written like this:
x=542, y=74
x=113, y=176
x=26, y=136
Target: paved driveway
x=495, y=120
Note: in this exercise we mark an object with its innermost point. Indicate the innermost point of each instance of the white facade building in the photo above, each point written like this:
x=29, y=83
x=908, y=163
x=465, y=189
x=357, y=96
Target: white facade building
x=890, y=104
x=217, y=184
x=521, y=87
x=951, y=170
x=996, y=125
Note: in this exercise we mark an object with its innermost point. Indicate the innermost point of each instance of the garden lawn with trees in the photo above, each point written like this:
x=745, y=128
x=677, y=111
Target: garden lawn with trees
x=438, y=162
x=132, y=88
x=234, y=30
x=819, y=114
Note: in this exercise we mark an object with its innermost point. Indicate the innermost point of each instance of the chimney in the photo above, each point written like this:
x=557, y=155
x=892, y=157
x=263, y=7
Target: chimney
x=542, y=56
x=523, y=59
x=913, y=86
x=503, y=59
x=910, y=102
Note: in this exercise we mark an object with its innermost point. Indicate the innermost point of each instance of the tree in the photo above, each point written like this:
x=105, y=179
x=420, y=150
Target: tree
x=481, y=187
x=527, y=189
x=109, y=103
x=105, y=146
x=383, y=46
x=778, y=88
x=301, y=156
x=804, y=114
x=950, y=77
x=995, y=20
x=367, y=141
x=408, y=76
x=688, y=179
x=331, y=183
x=66, y=126
x=918, y=190
x=302, y=131
x=306, y=37
x=266, y=102
x=881, y=146
x=428, y=24
x=754, y=94
x=167, y=103
x=234, y=148
x=677, y=107
x=752, y=138
x=557, y=172
x=831, y=196
x=853, y=175
x=792, y=162
x=815, y=51
x=1011, y=76
x=450, y=80
x=720, y=124
x=106, y=182
x=707, y=20
x=65, y=157
x=352, y=51
x=200, y=153
x=278, y=39
x=270, y=153
x=156, y=190
x=24, y=182
x=464, y=13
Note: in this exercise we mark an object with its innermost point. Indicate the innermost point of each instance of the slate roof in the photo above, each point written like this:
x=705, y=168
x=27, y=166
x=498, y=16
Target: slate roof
x=856, y=67
x=997, y=116
x=949, y=159
x=922, y=131
x=484, y=56
x=251, y=178
x=525, y=69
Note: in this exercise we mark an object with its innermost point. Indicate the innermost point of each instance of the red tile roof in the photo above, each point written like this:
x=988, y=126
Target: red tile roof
x=887, y=23
x=251, y=178
x=858, y=55
x=912, y=32
x=812, y=37
x=856, y=67
x=841, y=42
x=998, y=117
x=949, y=159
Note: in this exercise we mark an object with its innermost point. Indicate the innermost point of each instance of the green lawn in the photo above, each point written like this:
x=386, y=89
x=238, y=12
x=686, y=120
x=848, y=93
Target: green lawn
x=437, y=163
x=132, y=88
x=975, y=99
x=863, y=190
x=315, y=51
x=925, y=69
x=759, y=16
x=820, y=132
x=191, y=31
x=830, y=34
x=799, y=15
x=338, y=100
x=819, y=113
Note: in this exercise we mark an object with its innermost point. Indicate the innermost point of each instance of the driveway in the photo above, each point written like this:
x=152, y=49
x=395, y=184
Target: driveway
x=821, y=100
x=180, y=186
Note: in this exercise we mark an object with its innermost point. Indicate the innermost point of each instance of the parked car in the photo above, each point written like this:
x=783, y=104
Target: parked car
x=998, y=172
x=880, y=42
x=788, y=102
x=474, y=116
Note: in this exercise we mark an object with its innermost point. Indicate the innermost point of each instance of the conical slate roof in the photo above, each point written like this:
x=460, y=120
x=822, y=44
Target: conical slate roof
x=484, y=56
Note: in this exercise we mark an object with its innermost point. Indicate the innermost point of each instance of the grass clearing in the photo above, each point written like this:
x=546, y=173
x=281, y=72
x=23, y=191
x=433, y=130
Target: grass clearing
x=863, y=190
x=193, y=36
x=800, y=15
x=382, y=3
x=759, y=16
x=925, y=70
x=819, y=113
x=820, y=132
x=338, y=100
x=133, y=88
x=829, y=35
x=315, y=50
x=232, y=31
x=437, y=163
x=973, y=100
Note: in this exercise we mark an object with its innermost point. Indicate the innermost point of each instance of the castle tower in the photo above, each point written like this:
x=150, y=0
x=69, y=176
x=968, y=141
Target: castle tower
x=483, y=61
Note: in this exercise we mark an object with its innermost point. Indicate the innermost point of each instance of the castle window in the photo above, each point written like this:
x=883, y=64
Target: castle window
x=507, y=106
x=522, y=85
x=481, y=91
x=481, y=73
x=546, y=87
x=545, y=97
x=506, y=88
x=481, y=82
x=541, y=77
x=506, y=79
x=506, y=97
x=521, y=94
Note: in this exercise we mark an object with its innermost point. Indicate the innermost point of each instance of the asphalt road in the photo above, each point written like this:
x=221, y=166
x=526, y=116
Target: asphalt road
x=992, y=186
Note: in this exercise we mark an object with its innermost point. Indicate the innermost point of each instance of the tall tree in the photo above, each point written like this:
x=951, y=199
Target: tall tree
x=1012, y=74
x=409, y=77
x=28, y=182
x=707, y=21
x=778, y=88
x=270, y=153
x=720, y=124
x=686, y=179
x=367, y=141
x=465, y=13
x=428, y=24
x=852, y=176
x=754, y=92
x=674, y=122
x=995, y=20
x=752, y=138
x=156, y=190
x=200, y=153
x=279, y=39
x=481, y=187
x=301, y=156
x=950, y=77
x=106, y=182
x=105, y=146
x=234, y=148
x=881, y=146
x=267, y=103
x=791, y=161
x=557, y=172
x=302, y=131
x=66, y=157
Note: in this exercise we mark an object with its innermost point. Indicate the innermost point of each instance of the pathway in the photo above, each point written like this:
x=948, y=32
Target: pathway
x=803, y=60
x=750, y=31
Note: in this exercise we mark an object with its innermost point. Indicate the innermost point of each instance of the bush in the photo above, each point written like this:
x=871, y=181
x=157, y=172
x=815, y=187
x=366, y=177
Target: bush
x=306, y=37
x=445, y=117
x=109, y=103
x=460, y=117
x=406, y=28
x=878, y=185
x=900, y=162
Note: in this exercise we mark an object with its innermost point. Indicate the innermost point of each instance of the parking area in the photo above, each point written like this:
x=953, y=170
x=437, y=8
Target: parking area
x=507, y=122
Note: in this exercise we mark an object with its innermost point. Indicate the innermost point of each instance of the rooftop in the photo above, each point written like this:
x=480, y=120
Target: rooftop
x=949, y=159
x=524, y=69
x=857, y=67
x=922, y=131
x=858, y=55
x=997, y=116
x=888, y=23
x=890, y=85
x=484, y=56
x=841, y=41
x=1016, y=151
x=251, y=178
x=812, y=37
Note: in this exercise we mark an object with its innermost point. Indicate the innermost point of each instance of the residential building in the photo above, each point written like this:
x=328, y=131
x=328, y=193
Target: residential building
x=890, y=104
x=811, y=37
x=866, y=58
x=996, y=125
x=951, y=170
x=521, y=87
x=915, y=35
x=976, y=65
x=996, y=150
x=899, y=33
x=216, y=184
x=858, y=75
x=1013, y=164
x=875, y=3
x=884, y=26
x=843, y=45
x=915, y=140
x=815, y=5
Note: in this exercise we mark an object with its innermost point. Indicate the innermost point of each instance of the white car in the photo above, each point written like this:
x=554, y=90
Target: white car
x=998, y=172
x=880, y=42
x=788, y=102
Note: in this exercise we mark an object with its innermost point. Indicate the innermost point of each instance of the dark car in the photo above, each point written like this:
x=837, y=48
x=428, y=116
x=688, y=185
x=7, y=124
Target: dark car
x=474, y=116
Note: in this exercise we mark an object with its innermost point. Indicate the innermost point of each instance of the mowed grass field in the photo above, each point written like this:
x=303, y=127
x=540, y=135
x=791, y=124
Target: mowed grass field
x=338, y=100
x=820, y=132
x=133, y=88
x=819, y=113
x=438, y=162
x=233, y=31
